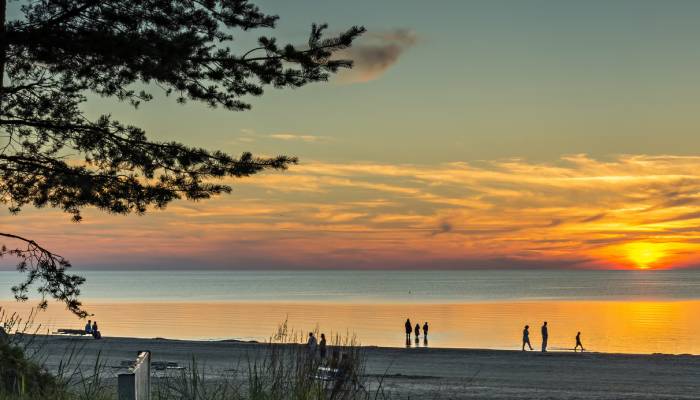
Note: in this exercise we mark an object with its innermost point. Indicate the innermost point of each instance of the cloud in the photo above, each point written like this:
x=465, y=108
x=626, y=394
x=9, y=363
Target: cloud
x=297, y=137
x=575, y=211
x=593, y=218
x=250, y=135
x=555, y=222
x=585, y=208
x=375, y=54
x=444, y=227
x=246, y=136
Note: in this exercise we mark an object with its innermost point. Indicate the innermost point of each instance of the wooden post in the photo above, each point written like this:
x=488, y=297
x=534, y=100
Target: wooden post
x=136, y=385
x=126, y=387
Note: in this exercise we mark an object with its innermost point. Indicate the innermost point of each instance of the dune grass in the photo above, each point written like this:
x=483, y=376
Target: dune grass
x=281, y=370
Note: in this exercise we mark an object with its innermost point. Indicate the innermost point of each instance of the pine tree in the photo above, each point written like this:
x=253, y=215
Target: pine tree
x=58, y=51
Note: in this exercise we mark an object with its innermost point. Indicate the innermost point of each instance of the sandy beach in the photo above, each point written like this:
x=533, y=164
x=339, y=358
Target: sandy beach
x=443, y=373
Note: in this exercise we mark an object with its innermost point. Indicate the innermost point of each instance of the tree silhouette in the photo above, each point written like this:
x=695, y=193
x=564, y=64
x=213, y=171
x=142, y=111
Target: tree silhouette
x=53, y=155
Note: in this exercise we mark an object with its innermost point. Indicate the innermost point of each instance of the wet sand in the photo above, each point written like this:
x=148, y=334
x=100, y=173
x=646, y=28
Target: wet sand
x=445, y=373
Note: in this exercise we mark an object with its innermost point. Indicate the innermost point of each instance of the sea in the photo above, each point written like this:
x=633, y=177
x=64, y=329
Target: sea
x=615, y=311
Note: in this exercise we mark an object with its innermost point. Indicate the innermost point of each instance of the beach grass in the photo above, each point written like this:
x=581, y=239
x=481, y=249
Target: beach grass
x=280, y=370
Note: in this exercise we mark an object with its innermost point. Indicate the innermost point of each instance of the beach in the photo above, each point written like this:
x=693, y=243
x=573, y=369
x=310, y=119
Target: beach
x=641, y=329
x=437, y=373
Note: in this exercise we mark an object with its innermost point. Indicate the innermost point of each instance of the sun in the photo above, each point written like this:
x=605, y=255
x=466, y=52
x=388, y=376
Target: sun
x=644, y=254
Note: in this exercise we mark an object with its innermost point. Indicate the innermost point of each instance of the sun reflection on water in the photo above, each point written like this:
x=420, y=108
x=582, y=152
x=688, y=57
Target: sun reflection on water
x=607, y=326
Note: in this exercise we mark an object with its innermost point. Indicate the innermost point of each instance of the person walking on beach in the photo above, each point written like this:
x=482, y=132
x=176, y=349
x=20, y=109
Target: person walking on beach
x=545, y=336
x=578, y=342
x=322, y=346
x=526, y=337
x=425, y=330
x=417, y=331
x=311, y=344
x=409, y=327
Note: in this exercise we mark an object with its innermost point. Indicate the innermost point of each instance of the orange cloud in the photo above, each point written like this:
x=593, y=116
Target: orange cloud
x=631, y=211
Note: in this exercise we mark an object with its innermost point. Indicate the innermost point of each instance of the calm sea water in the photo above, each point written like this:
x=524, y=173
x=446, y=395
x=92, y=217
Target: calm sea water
x=385, y=286
x=616, y=311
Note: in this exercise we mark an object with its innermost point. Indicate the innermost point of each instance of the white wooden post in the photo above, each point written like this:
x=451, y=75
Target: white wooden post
x=136, y=385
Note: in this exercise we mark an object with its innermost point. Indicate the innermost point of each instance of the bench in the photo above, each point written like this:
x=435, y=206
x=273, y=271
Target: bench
x=327, y=374
x=72, y=332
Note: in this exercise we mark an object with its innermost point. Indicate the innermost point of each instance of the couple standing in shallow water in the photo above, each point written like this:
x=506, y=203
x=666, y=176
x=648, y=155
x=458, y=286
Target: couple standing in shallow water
x=526, y=337
x=545, y=338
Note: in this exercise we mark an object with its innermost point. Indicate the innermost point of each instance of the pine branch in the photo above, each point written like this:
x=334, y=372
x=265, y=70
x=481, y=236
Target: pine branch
x=48, y=270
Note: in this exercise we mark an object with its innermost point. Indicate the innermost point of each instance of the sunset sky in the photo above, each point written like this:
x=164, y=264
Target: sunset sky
x=494, y=134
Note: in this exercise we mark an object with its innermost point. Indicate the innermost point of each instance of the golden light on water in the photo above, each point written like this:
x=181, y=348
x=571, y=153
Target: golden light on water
x=635, y=326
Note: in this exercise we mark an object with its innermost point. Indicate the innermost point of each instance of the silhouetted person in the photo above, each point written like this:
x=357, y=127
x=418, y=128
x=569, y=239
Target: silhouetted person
x=311, y=344
x=322, y=346
x=545, y=336
x=409, y=327
x=417, y=331
x=578, y=342
x=96, y=332
x=526, y=337
x=425, y=331
x=88, y=327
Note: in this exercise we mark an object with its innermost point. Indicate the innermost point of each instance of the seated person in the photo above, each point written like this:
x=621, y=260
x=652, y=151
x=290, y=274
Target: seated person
x=88, y=328
x=95, y=331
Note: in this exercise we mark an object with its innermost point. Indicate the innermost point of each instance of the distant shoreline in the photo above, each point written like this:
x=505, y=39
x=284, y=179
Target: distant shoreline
x=412, y=348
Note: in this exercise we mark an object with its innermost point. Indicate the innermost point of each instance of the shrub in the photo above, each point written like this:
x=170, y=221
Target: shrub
x=21, y=376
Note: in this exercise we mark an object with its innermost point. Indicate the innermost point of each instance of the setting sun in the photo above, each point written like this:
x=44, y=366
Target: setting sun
x=644, y=254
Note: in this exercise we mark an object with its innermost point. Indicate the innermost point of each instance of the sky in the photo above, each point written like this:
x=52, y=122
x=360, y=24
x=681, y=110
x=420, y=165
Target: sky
x=470, y=134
